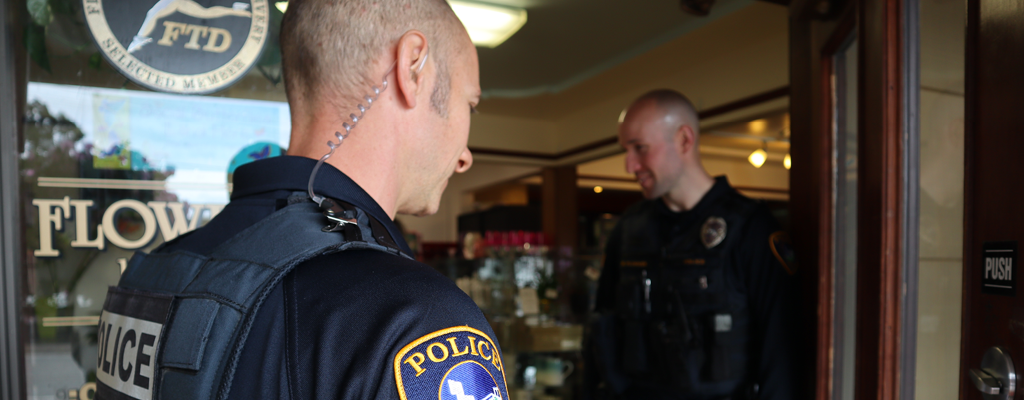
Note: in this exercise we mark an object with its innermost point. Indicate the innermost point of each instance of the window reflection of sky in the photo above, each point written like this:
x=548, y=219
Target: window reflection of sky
x=197, y=137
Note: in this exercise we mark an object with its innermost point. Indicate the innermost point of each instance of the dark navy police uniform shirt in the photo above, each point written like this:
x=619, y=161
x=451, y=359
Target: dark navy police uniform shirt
x=754, y=268
x=360, y=324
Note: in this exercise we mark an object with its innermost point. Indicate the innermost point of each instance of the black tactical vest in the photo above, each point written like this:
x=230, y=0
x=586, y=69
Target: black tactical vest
x=681, y=316
x=175, y=325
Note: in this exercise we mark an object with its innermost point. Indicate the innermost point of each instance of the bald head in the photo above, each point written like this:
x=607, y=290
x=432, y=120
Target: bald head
x=659, y=133
x=669, y=107
x=330, y=47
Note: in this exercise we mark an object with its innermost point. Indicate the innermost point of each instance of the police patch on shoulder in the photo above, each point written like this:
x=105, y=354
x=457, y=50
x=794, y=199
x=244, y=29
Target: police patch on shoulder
x=457, y=363
x=782, y=248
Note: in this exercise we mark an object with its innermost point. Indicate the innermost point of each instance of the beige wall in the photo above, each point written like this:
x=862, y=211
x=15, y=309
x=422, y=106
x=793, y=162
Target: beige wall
x=941, y=246
x=771, y=175
x=494, y=131
x=942, y=191
x=443, y=226
x=719, y=76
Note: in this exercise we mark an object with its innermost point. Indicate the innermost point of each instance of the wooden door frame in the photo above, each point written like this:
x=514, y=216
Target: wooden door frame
x=880, y=200
x=971, y=250
x=879, y=26
x=811, y=186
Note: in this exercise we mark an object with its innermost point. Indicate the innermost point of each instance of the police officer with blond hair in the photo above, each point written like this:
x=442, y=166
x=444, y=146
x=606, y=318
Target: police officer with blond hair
x=304, y=288
x=696, y=295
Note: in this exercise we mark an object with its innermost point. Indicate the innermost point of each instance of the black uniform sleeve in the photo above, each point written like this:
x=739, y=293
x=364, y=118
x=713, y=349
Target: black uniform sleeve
x=771, y=291
x=448, y=349
x=368, y=325
x=605, y=298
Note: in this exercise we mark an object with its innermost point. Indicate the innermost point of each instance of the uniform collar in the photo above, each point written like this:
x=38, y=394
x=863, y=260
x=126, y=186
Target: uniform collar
x=291, y=173
x=720, y=188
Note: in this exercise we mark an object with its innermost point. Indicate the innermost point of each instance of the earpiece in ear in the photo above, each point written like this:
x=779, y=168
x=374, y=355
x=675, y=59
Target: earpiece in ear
x=422, y=63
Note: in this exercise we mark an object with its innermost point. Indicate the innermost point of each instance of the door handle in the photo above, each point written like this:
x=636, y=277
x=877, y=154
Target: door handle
x=985, y=382
x=996, y=379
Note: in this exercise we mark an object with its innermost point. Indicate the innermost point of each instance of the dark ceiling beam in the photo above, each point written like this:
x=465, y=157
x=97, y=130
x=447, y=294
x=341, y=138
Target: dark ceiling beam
x=745, y=102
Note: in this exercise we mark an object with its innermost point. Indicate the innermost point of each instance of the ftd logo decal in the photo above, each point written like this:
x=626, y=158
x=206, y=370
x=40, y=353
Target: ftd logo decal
x=458, y=363
x=180, y=46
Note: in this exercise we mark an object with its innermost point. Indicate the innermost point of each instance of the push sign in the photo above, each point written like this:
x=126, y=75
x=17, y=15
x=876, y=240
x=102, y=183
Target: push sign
x=999, y=266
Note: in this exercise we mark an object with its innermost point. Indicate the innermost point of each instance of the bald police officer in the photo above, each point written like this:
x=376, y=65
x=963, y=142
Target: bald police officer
x=695, y=297
x=299, y=292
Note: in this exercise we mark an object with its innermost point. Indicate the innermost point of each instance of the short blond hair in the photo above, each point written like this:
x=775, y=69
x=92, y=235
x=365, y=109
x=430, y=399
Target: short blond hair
x=329, y=47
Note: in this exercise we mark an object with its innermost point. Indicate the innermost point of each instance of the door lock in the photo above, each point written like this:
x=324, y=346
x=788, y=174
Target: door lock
x=986, y=381
x=996, y=379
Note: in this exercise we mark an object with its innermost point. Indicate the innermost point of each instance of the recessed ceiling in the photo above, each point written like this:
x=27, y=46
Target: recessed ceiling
x=773, y=127
x=567, y=41
x=739, y=54
x=770, y=131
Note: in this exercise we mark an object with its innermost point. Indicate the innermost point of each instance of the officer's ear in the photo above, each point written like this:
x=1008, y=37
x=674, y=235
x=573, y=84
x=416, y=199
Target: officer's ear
x=410, y=68
x=686, y=139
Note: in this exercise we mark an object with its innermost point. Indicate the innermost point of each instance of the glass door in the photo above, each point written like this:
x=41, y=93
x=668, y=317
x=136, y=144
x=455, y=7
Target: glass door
x=106, y=168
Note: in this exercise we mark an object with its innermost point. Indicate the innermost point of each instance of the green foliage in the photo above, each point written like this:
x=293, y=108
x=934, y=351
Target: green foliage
x=95, y=61
x=35, y=32
x=64, y=7
x=41, y=12
x=35, y=42
x=59, y=21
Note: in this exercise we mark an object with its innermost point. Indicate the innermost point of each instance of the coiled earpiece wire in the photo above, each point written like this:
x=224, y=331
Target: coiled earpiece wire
x=354, y=121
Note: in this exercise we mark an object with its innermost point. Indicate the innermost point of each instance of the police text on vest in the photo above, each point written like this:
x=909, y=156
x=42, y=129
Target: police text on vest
x=127, y=353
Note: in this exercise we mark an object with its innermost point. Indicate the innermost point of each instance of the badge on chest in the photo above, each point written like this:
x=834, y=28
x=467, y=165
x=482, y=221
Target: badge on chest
x=712, y=233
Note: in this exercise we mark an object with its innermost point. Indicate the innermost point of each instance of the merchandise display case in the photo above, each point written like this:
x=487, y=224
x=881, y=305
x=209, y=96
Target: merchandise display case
x=537, y=299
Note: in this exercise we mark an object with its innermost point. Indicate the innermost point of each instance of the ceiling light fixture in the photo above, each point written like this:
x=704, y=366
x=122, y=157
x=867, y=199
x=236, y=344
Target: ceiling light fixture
x=488, y=25
x=787, y=162
x=758, y=157
x=757, y=126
